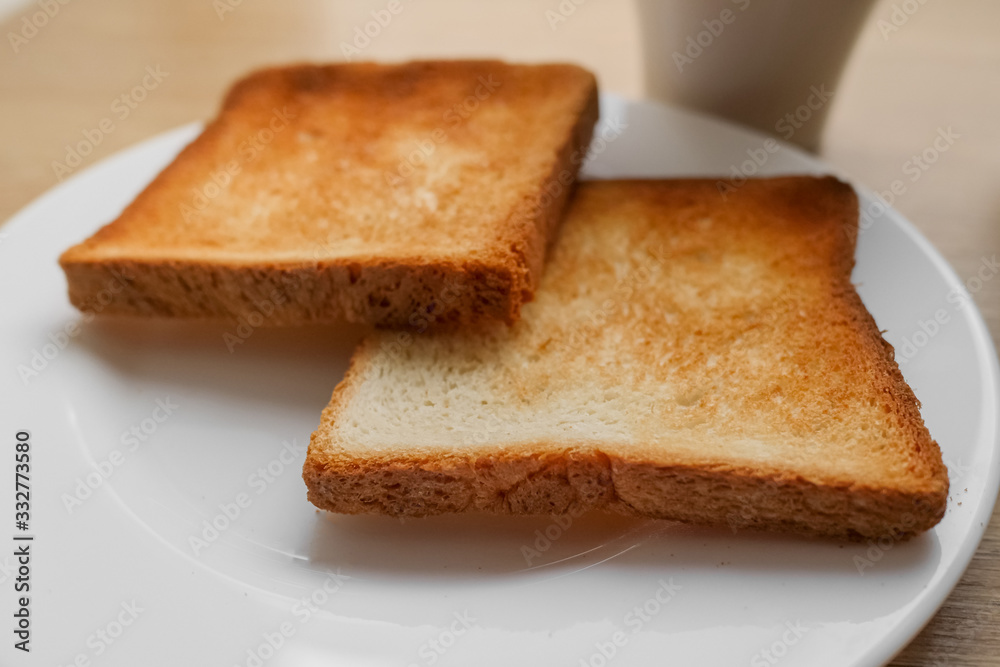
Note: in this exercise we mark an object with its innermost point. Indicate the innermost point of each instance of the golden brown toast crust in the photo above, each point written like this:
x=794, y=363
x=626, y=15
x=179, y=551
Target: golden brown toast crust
x=846, y=453
x=361, y=192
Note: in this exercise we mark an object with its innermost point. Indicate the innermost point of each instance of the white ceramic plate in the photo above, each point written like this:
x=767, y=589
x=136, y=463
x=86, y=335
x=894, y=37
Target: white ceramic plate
x=174, y=433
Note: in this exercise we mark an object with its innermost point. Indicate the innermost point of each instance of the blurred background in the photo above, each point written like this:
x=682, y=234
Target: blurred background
x=920, y=69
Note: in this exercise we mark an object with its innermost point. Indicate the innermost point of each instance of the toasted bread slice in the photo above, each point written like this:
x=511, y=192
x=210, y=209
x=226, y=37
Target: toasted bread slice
x=687, y=357
x=360, y=192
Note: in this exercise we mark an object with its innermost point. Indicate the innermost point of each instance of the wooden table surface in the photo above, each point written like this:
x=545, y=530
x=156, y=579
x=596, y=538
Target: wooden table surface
x=939, y=70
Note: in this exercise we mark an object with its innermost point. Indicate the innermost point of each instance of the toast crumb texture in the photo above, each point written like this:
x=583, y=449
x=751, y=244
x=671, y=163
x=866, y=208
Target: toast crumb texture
x=362, y=192
x=688, y=356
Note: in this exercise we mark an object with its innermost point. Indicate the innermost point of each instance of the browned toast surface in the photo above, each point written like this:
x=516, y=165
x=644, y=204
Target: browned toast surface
x=687, y=357
x=362, y=191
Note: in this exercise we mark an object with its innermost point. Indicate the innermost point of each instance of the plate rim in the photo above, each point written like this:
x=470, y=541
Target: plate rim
x=930, y=600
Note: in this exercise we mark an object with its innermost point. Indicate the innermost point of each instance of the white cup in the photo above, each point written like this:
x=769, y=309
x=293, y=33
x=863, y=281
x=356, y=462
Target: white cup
x=771, y=64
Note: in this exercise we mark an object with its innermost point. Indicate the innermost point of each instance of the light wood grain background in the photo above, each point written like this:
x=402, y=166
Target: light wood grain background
x=941, y=69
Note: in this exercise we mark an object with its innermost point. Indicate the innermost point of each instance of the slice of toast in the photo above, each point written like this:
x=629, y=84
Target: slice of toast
x=360, y=192
x=688, y=356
